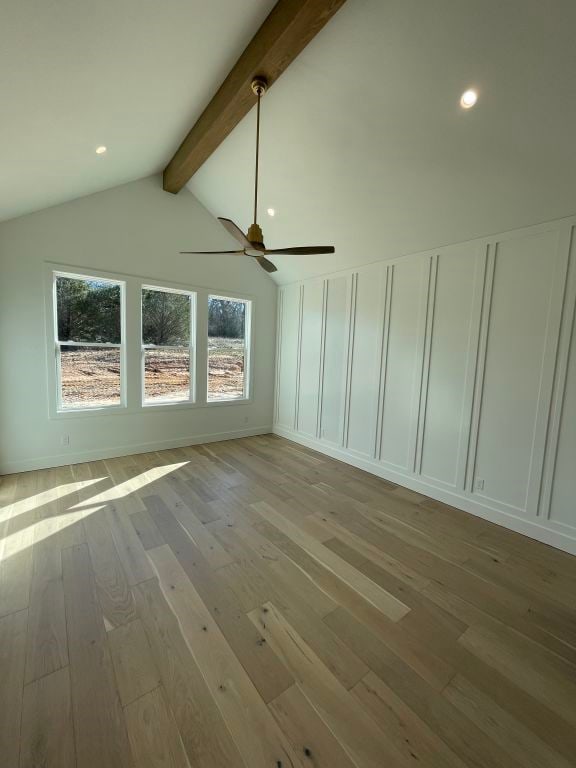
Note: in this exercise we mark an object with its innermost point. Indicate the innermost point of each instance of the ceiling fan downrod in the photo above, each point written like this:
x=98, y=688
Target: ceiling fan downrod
x=259, y=87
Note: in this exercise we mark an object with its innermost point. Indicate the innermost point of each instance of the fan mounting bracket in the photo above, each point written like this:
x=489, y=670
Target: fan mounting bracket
x=259, y=86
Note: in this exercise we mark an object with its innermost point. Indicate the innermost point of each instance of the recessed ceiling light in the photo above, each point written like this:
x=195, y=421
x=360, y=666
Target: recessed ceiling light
x=468, y=99
x=271, y=212
x=101, y=150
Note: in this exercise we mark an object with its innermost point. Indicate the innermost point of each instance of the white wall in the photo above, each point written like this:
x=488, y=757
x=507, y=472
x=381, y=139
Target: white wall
x=452, y=372
x=133, y=230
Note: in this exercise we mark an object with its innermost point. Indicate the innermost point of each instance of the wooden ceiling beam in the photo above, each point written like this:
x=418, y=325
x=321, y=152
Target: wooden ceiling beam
x=287, y=30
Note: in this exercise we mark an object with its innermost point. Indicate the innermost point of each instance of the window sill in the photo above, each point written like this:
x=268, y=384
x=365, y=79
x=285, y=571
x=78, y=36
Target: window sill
x=148, y=408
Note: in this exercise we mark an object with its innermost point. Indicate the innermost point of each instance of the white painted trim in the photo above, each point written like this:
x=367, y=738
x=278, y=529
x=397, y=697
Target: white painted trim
x=547, y=373
x=384, y=359
x=484, y=323
x=298, y=358
x=424, y=351
x=530, y=516
x=191, y=347
x=46, y=462
x=567, y=328
x=350, y=357
x=474, y=339
x=278, y=360
x=384, y=325
x=555, y=537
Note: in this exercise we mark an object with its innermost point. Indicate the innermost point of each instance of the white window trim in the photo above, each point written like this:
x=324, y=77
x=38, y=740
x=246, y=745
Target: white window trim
x=131, y=329
x=247, y=384
x=60, y=408
x=191, y=347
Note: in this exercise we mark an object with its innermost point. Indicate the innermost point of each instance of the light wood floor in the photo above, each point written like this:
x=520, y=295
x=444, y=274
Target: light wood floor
x=253, y=604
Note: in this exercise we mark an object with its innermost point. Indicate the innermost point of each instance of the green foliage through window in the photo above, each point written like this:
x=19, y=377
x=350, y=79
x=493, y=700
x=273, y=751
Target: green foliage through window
x=165, y=318
x=88, y=310
x=226, y=318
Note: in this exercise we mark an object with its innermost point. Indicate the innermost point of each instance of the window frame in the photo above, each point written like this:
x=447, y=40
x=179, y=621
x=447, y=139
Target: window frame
x=247, y=383
x=131, y=340
x=57, y=344
x=192, y=349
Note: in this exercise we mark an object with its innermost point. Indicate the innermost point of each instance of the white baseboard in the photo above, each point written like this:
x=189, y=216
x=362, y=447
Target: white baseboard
x=63, y=459
x=534, y=530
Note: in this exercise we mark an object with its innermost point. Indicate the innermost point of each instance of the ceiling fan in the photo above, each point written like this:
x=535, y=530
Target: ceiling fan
x=253, y=242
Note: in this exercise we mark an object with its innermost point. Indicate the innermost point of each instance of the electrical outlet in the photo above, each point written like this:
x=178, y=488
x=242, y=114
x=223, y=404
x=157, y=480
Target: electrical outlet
x=65, y=440
x=479, y=485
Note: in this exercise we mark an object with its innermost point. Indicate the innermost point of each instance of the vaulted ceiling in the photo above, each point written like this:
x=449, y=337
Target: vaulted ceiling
x=364, y=144
x=132, y=75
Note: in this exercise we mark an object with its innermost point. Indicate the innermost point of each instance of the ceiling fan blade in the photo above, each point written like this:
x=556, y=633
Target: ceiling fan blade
x=265, y=264
x=236, y=232
x=305, y=250
x=217, y=253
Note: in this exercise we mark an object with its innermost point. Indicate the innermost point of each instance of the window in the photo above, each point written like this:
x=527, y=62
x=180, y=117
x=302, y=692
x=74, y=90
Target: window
x=228, y=342
x=89, y=351
x=167, y=346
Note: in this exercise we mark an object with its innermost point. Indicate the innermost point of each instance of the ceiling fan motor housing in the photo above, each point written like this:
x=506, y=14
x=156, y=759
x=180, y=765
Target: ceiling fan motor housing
x=255, y=235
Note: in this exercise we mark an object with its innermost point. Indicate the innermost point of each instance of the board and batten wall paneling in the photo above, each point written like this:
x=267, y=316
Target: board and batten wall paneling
x=403, y=359
x=449, y=385
x=522, y=329
x=287, y=355
x=310, y=357
x=367, y=324
x=561, y=485
x=451, y=372
x=336, y=329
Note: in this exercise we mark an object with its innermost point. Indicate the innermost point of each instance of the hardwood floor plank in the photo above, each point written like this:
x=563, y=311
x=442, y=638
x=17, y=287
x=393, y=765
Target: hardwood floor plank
x=308, y=733
x=387, y=604
x=407, y=586
x=267, y=605
x=364, y=742
x=100, y=732
x=508, y=732
x=552, y=729
x=146, y=530
x=265, y=669
x=205, y=735
x=411, y=736
x=258, y=738
x=461, y=735
x=259, y=584
x=240, y=537
x=545, y=677
x=12, y=655
x=16, y=565
x=136, y=672
x=132, y=554
x=153, y=734
x=47, y=645
x=215, y=555
x=112, y=588
x=47, y=729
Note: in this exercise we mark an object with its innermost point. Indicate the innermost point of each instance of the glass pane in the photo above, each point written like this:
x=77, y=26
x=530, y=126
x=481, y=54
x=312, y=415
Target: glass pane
x=90, y=377
x=165, y=318
x=166, y=375
x=226, y=329
x=88, y=310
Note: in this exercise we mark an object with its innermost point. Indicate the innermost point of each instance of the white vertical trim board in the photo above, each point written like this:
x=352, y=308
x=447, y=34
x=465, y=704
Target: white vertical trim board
x=425, y=368
x=480, y=365
x=495, y=410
